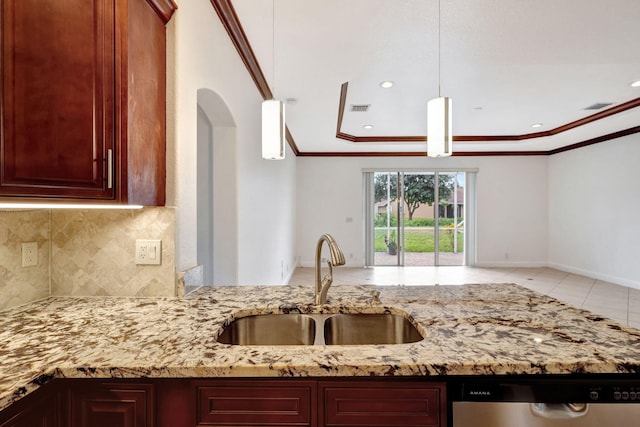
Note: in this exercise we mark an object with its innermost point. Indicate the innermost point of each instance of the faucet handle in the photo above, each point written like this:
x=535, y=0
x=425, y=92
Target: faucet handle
x=330, y=265
x=375, y=297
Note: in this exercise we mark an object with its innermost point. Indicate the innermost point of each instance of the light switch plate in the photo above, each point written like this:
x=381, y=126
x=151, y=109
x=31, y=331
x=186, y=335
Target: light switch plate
x=148, y=252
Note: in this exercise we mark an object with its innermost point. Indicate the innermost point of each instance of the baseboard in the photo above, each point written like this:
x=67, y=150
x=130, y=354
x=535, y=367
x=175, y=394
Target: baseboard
x=487, y=264
x=595, y=275
x=312, y=264
x=511, y=264
x=289, y=276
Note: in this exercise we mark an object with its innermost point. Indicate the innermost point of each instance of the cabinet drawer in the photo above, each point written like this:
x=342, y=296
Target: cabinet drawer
x=382, y=404
x=256, y=403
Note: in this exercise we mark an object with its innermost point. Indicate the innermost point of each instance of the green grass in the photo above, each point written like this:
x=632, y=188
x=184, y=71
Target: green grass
x=421, y=240
x=381, y=221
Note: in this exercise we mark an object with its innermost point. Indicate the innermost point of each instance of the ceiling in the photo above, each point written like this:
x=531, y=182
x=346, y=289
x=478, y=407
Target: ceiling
x=506, y=64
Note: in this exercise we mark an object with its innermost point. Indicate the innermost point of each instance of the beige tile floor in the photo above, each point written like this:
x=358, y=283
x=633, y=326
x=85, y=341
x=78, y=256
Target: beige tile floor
x=616, y=302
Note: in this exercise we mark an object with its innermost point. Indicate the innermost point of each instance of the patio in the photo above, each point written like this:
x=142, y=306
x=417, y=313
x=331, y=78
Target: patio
x=421, y=259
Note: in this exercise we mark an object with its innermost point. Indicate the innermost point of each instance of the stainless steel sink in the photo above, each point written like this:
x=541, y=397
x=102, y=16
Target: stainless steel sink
x=320, y=329
x=270, y=329
x=367, y=329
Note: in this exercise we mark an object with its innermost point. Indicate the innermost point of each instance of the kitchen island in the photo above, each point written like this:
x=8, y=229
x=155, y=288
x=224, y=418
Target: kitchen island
x=494, y=329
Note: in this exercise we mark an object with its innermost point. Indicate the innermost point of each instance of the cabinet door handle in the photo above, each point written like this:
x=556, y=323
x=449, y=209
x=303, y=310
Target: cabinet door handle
x=109, y=168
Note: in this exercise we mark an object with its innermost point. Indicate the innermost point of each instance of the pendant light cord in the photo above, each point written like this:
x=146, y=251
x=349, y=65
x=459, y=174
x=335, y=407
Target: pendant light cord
x=439, y=49
x=273, y=47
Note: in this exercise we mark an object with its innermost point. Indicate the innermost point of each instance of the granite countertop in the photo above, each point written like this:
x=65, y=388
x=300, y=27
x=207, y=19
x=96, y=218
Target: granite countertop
x=494, y=329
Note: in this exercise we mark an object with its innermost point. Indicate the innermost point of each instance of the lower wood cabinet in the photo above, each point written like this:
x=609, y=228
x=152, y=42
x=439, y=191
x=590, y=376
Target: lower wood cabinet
x=111, y=404
x=231, y=402
x=255, y=403
x=40, y=409
x=381, y=404
x=322, y=403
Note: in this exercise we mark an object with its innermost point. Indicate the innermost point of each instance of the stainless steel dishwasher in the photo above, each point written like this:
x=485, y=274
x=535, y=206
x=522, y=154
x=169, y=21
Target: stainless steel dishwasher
x=549, y=402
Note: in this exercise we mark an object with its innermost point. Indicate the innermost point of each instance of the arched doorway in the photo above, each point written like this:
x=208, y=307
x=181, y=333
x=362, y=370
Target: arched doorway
x=216, y=195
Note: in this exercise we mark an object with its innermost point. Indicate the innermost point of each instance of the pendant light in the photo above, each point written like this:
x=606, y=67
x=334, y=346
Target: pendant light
x=273, y=125
x=439, y=117
x=273, y=135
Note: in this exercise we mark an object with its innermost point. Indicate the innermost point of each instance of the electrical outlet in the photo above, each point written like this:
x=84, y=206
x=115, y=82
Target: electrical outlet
x=148, y=252
x=29, y=254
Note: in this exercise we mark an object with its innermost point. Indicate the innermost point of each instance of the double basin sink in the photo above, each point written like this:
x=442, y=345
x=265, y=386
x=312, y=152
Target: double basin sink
x=321, y=329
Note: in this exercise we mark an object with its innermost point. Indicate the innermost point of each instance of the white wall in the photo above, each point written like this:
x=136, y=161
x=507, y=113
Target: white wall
x=266, y=215
x=201, y=56
x=225, y=206
x=512, y=205
x=594, y=211
x=512, y=211
x=575, y=211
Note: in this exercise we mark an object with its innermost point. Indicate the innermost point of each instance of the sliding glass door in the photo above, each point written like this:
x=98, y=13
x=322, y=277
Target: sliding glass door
x=416, y=218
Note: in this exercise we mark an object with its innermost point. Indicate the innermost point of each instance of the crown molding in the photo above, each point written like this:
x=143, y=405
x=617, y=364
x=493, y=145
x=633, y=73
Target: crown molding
x=230, y=21
x=164, y=8
x=479, y=138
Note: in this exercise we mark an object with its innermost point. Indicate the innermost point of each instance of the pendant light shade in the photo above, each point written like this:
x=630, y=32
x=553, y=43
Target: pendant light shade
x=439, y=116
x=439, y=129
x=273, y=130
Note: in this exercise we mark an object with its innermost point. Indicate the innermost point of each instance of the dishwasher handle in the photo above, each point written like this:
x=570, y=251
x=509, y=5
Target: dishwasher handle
x=559, y=411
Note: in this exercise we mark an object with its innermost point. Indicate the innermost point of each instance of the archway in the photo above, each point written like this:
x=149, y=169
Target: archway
x=217, y=245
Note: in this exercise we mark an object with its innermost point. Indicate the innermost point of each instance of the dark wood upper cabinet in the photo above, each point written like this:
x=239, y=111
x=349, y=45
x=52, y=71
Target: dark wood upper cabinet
x=83, y=100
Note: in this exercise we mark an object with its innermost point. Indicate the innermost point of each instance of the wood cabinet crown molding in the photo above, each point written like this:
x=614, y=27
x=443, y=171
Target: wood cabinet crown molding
x=164, y=8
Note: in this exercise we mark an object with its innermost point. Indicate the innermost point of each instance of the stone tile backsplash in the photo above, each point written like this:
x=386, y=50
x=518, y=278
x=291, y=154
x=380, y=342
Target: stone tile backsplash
x=20, y=285
x=84, y=252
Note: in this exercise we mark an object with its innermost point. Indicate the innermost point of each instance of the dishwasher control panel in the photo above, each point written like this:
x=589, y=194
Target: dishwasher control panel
x=619, y=394
x=548, y=391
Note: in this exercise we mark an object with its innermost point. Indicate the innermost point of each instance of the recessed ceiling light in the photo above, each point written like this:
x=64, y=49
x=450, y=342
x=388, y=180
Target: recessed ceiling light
x=386, y=84
x=368, y=126
x=291, y=101
x=636, y=83
x=536, y=125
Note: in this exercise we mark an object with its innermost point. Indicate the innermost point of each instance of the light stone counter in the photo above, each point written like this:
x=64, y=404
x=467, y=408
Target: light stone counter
x=493, y=329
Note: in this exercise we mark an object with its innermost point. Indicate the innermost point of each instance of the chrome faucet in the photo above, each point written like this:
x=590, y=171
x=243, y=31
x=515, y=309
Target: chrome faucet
x=337, y=258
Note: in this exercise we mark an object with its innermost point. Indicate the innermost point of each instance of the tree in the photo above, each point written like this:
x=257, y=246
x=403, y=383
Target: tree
x=380, y=186
x=418, y=189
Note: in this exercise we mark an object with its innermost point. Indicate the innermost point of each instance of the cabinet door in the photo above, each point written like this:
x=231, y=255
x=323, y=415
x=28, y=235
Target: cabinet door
x=37, y=410
x=255, y=403
x=58, y=86
x=382, y=404
x=111, y=404
x=32, y=418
